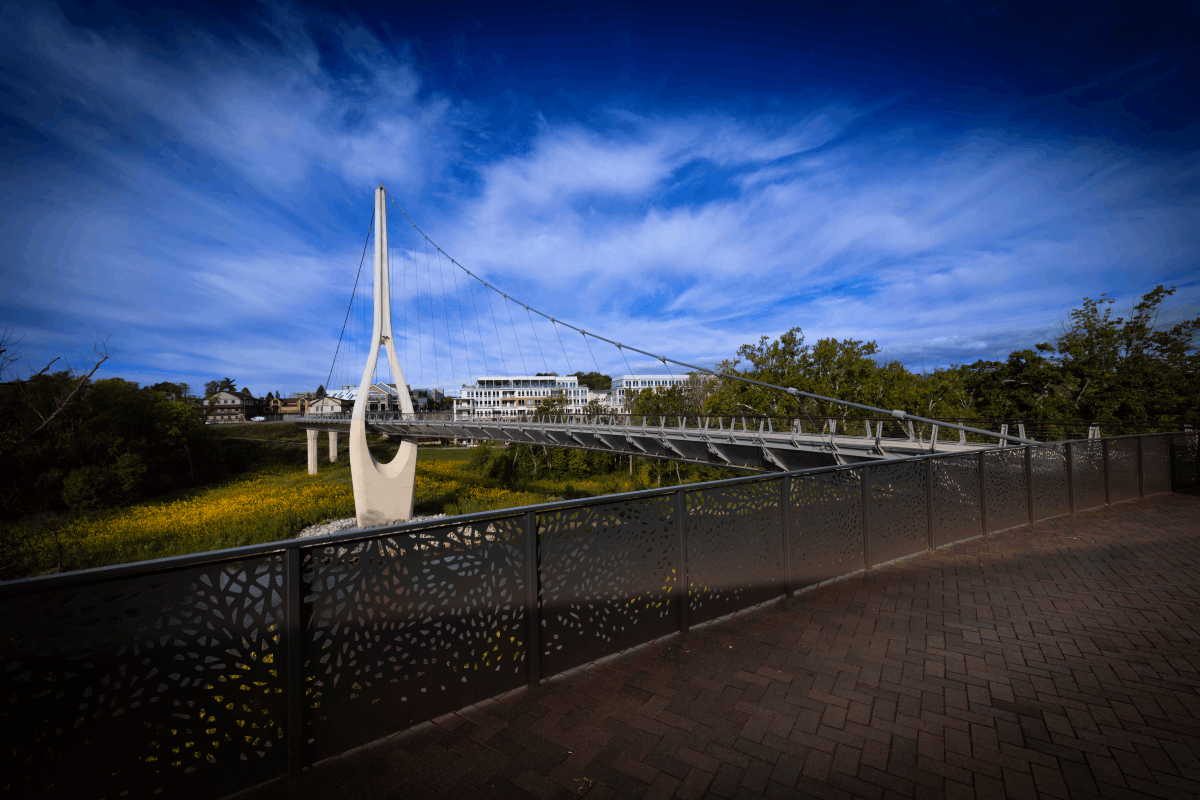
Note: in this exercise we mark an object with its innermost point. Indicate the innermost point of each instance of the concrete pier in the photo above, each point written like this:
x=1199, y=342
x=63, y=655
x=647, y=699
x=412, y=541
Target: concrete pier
x=333, y=445
x=312, y=451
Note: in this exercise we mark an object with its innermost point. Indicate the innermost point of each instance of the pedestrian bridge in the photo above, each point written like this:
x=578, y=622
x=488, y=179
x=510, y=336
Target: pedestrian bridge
x=757, y=443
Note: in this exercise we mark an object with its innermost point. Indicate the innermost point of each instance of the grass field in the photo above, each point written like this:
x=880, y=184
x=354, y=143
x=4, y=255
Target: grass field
x=272, y=501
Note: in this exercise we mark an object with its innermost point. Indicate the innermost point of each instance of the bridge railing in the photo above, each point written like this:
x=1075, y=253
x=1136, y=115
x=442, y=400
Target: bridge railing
x=849, y=425
x=204, y=674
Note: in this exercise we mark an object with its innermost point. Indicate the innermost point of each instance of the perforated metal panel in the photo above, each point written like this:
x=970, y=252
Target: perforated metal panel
x=826, y=526
x=608, y=578
x=1156, y=463
x=1050, y=491
x=1004, y=483
x=1087, y=464
x=1186, y=468
x=956, y=499
x=734, y=548
x=405, y=628
x=897, y=519
x=1122, y=469
x=166, y=682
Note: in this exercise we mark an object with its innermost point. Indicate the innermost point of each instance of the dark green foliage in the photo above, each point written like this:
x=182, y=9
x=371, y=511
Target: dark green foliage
x=114, y=444
x=1097, y=368
x=594, y=381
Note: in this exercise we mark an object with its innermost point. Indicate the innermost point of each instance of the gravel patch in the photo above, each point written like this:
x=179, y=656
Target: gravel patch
x=332, y=526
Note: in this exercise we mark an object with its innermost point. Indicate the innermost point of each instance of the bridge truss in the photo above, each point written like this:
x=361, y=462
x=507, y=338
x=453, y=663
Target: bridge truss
x=753, y=444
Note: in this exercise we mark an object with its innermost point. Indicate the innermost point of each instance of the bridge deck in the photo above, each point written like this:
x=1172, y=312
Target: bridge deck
x=744, y=447
x=1060, y=659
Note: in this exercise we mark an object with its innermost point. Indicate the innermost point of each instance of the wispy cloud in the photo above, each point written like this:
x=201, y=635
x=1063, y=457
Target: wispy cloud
x=206, y=206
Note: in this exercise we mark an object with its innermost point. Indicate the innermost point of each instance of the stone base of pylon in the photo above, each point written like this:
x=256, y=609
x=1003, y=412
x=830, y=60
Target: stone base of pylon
x=383, y=493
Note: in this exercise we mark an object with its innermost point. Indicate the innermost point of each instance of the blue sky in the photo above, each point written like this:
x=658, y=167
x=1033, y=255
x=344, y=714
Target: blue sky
x=195, y=182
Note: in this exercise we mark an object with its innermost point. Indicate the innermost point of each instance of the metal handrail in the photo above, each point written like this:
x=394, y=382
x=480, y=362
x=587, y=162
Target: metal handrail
x=42, y=582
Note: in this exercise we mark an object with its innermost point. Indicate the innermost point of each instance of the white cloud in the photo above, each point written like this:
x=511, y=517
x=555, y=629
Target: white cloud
x=208, y=225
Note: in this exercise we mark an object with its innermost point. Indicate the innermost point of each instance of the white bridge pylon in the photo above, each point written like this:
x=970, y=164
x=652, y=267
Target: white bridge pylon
x=383, y=493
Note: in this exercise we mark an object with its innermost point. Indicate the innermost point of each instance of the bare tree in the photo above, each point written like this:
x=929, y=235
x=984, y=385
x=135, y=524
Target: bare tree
x=61, y=399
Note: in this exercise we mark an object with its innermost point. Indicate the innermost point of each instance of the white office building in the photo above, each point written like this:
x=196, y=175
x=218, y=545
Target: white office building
x=516, y=395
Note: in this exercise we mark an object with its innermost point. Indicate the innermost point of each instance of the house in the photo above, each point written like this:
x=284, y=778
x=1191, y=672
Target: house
x=331, y=405
x=288, y=405
x=225, y=408
x=385, y=397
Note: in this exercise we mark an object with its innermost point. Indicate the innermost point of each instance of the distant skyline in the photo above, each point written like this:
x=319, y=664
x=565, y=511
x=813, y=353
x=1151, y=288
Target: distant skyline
x=195, y=181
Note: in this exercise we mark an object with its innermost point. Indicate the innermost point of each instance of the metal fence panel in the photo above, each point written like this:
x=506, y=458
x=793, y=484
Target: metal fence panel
x=1051, y=494
x=406, y=628
x=734, y=548
x=1186, y=468
x=897, y=518
x=1087, y=464
x=608, y=575
x=956, y=513
x=1007, y=494
x=166, y=682
x=826, y=526
x=1156, y=464
x=1122, y=469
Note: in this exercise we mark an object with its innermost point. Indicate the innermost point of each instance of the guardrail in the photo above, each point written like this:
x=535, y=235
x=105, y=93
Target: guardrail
x=204, y=674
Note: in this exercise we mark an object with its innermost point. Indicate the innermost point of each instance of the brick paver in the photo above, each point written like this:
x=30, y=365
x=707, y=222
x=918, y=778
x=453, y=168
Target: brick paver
x=1059, y=660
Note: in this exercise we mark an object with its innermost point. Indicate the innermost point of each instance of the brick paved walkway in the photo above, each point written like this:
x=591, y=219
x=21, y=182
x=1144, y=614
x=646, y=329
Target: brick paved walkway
x=1056, y=660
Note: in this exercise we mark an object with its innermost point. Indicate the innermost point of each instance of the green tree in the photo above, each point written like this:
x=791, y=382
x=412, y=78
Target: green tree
x=1128, y=368
x=594, y=381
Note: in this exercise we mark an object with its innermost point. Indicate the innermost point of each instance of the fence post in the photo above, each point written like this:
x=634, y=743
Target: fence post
x=683, y=597
x=785, y=506
x=533, y=616
x=1141, y=468
x=929, y=504
x=293, y=631
x=1070, y=480
x=1171, y=460
x=866, y=496
x=1104, y=455
x=1029, y=480
x=983, y=493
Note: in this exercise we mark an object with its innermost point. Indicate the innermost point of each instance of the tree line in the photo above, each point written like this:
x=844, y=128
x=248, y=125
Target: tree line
x=1096, y=366
x=70, y=442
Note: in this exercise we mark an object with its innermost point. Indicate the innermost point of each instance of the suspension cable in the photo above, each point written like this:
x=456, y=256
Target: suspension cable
x=361, y=261
x=516, y=336
x=461, y=323
x=560, y=344
x=537, y=339
x=794, y=392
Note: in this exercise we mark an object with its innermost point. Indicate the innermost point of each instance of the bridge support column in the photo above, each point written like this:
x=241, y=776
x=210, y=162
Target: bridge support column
x=383, y=493
x=333, y=444
x=312, y=451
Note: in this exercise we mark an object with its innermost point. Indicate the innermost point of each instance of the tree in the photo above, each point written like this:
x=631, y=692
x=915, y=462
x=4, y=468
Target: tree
x=270, y=396
x=211, y=388
x=320, y=391
x=179, y=390
x=46, y=399
x=664, y=401
x=1128, y=368
x=555, y=404
x=594, y=381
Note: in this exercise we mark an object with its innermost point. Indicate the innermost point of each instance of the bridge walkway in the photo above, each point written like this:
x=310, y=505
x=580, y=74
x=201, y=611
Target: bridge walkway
x=1060, y=659
x=755, y=445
